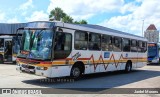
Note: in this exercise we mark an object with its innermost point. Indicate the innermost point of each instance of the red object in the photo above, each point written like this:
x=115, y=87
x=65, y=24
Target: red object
x=152, y=27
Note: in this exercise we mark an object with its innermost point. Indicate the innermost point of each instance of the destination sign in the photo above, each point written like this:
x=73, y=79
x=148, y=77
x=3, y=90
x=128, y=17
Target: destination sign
x=40, y=25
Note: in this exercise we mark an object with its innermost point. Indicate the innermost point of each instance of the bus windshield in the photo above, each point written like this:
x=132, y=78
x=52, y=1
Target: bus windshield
x=152, y=51
x=37, y=43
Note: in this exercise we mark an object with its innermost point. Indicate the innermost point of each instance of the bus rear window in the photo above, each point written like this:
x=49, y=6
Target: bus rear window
x=142, y=46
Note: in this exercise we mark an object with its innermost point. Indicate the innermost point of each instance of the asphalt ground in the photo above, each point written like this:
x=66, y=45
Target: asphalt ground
x=92, y=85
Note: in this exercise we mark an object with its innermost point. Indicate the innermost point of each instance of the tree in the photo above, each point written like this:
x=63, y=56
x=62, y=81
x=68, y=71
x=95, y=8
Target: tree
x=57, y=13
x=67, y=19
x=81, y=22
x=76, y=22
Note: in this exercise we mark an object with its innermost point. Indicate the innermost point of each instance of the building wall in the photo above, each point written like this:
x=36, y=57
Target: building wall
x=152, y=35
x=10, y=28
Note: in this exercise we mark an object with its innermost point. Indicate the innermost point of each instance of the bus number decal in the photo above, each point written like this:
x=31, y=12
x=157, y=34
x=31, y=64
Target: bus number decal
x=126, y=55
x=76, y=56
x=106, y=54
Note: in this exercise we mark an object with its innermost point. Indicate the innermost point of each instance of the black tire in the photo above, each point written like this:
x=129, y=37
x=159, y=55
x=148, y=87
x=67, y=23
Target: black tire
x=128, y=67
x=76, y=72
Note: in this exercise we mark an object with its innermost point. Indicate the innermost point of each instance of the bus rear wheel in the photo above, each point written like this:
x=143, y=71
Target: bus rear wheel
x=76, y=72
x=128, y=67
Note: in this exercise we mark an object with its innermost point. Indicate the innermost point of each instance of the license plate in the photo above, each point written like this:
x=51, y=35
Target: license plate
x=27, y=70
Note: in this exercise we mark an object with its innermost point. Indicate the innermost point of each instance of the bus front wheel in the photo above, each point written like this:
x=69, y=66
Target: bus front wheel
x=128, y=67
x=76, y=72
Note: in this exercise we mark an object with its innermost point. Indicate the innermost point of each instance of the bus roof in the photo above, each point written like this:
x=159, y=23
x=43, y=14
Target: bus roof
x=103, y=30
x=85, y=27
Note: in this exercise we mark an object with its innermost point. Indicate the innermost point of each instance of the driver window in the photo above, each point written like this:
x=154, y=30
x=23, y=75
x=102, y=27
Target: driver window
x=63, y=45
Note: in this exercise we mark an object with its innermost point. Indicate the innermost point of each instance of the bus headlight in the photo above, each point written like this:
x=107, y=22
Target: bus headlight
x=41, y=68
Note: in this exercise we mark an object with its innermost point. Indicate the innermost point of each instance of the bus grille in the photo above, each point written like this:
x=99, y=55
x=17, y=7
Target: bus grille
x=29, y=61
x=27, y=66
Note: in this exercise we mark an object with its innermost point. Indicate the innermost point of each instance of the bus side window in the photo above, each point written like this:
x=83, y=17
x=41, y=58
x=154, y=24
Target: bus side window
x=117, y=44
x=139, y=46
x=126, y=45
x=106, y=43
x=133, y=46
x=81, y=40
x=94, y=41
x=144, y=47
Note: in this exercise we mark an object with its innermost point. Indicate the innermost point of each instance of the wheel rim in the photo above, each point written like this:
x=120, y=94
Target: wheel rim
x=76, y=72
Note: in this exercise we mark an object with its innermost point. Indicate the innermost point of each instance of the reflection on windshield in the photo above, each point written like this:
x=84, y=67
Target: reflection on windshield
x=152, y=51
x=38, y=43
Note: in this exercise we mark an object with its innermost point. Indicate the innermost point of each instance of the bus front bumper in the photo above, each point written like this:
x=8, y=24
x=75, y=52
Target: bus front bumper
x=30, y=69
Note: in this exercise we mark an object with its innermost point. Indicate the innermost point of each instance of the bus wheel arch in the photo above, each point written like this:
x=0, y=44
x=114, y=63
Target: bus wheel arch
x=77, y=69
x=128, y=67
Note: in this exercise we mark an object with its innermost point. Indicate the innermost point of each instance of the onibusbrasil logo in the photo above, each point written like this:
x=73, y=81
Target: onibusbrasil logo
x=21, y=91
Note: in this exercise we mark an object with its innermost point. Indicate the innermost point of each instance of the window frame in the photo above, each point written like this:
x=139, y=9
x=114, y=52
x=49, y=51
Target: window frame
x=77, y=31
x=144, y=50
x=110, y=36
x=134, y=46
x=123, y=44
x=65, y=51
x=113, y=43
x=100, y=48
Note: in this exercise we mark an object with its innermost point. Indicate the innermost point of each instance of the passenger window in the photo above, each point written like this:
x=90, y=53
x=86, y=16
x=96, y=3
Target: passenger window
x=81, y=40
x=126, y=45
x=106, y=43
x=63, y=45
x=117, y=44
x=133, y=46
x=144, y=47
x=139, y=46
x=94, y=41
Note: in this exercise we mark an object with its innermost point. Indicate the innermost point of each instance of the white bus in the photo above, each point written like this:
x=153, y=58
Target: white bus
x=56, y=49
x=8, y=48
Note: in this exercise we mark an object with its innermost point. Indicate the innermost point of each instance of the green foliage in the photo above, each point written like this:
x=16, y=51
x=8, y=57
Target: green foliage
x=81, y=22
x=58, y=14
x=67, y=19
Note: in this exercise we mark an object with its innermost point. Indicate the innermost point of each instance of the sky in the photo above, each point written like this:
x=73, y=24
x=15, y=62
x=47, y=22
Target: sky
x=124, y=15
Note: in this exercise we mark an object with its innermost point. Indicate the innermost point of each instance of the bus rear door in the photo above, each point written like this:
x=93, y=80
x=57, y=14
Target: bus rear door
x=8, y=50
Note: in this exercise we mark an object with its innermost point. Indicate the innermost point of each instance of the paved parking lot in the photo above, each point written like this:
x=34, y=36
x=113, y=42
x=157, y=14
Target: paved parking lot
x=146, y=77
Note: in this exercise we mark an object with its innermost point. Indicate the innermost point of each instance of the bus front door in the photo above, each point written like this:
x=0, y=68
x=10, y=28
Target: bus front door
x=8, y=50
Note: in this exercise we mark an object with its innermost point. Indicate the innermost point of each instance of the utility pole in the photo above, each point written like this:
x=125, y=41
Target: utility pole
x=142, y=27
